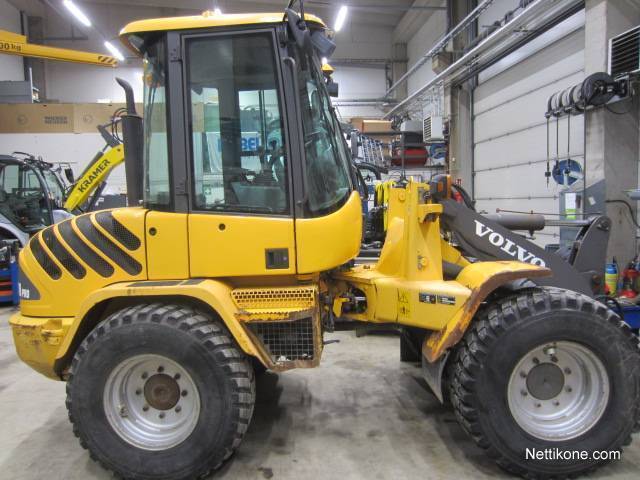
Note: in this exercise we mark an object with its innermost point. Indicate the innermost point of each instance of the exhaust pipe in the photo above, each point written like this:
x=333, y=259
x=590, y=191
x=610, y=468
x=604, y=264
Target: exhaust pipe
x=133, y=152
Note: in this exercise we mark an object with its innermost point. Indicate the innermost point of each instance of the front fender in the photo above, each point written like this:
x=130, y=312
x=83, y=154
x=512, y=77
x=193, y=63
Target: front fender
x=481, y=278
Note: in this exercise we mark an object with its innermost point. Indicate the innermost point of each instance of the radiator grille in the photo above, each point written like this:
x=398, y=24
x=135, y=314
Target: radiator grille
x=266, y=298
x=624, y=53
x=43, y=258
x=106, y=246
x=62, y=254
x=286, y=341
x=118, y=231
x=86, y=254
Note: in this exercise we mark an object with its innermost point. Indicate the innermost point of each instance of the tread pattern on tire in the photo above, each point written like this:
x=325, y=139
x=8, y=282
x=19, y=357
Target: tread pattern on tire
x=209, y=333
x=473, y=348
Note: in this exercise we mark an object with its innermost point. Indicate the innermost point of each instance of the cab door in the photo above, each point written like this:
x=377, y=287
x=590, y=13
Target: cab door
x=241, y=221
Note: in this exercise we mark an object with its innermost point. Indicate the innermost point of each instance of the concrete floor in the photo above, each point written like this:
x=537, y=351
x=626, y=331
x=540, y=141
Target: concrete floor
x=362, y=414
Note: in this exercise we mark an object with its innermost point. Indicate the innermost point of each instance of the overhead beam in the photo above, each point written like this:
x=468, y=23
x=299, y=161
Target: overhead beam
x=14, y=44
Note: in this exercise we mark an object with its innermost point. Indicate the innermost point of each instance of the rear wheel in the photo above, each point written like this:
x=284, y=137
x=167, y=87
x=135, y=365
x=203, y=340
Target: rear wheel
x=160, y=391
x=542, y=377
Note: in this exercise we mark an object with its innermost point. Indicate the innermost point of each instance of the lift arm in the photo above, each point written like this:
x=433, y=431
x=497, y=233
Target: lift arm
x=15, y=44
x=94, y=175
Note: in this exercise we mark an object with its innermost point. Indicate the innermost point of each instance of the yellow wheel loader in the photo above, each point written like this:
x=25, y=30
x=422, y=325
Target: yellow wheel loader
x=239, y=251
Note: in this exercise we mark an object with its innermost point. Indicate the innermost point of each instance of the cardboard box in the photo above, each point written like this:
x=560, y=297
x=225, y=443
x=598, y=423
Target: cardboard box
x=36, y=118
x=376, y=126
x=56, y=117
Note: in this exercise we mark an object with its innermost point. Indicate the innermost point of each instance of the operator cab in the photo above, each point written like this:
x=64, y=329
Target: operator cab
x=238, y=123
x=31, y=196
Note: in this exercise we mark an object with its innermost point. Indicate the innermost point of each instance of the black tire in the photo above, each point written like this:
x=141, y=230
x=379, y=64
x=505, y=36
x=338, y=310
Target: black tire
x=504, y=333
x=204, y=349
x=258, y=367
x=410, y=345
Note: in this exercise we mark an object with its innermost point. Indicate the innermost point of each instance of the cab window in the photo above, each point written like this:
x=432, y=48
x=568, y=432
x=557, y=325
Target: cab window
x=239, y=161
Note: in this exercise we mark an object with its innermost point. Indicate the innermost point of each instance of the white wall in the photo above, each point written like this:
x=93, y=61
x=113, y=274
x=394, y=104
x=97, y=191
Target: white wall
x=356, y=82
x=421, y=42
x=11, y=66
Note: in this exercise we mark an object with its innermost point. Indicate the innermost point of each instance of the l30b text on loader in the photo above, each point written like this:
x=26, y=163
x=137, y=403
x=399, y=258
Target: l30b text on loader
x=240, y=253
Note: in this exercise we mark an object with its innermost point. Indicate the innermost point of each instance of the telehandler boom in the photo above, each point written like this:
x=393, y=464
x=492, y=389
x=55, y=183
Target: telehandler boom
x=241, y=251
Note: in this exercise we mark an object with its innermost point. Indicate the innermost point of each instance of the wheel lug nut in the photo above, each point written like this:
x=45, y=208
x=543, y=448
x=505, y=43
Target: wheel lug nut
x=523, y=374
x=538, y=405
x=161, y=415
x=183, y=393
x=569, y=389
x=556, y=403
x=138, y=391
x=176, y=376
x=567, y=371
x=145, y=375
x=178, y=409
x=523, y=393
x=160, y=369
x=535, y=360
x=145, y=408
x=554, y=359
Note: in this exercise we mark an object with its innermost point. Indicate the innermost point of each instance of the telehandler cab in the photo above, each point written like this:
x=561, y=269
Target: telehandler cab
x=240, y=254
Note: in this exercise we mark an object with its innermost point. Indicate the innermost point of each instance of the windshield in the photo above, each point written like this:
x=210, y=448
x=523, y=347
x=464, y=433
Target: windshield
x=327, y=158
x=156, y=152
x=56, y=190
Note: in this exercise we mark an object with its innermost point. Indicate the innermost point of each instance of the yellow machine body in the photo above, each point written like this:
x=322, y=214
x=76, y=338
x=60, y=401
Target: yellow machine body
x=115, y=257
x=260, y=274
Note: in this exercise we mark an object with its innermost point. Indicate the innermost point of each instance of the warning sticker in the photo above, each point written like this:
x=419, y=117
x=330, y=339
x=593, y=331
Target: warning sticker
x=404, y=306
x=446, y=300
x=427, y=297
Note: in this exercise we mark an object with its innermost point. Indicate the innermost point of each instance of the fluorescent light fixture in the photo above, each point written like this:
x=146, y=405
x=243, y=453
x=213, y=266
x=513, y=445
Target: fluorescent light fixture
x=79, y=14
x=342, y=16
x=114, y=51
x=217, y=11
x=324, y=60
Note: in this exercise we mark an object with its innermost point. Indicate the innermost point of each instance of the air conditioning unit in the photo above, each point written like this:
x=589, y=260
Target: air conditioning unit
x=432, y=128
x=624, y=53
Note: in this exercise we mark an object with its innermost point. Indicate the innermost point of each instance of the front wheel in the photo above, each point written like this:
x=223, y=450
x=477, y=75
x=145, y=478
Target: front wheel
x=547, y=382
x=160, y=391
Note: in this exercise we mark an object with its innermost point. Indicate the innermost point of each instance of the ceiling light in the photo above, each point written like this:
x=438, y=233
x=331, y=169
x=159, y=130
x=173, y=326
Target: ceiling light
x=342, y=16
x=114, y=51
x=324, y=60
x=80, y=16
x=217, y=11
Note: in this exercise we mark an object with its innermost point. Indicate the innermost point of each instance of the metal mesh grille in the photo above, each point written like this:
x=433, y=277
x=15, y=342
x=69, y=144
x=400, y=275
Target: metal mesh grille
x=121, y=233
x=62, y=254
x=106, y=246
x=43, y=258
x=286, y=341
x=86, y=254
x=264, y=298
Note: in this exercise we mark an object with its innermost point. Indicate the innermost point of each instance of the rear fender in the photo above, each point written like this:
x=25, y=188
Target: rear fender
x=481, y=278
x=214, y=293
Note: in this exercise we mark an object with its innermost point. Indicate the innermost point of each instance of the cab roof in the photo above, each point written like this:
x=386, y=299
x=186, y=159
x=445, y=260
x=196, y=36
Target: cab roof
x=207, y=19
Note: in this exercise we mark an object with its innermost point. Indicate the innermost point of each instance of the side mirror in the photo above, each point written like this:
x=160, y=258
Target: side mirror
x=68, y=173
x=332, y=88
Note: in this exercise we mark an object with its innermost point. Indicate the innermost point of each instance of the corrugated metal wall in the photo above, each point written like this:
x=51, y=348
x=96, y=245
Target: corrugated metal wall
x=510, y=134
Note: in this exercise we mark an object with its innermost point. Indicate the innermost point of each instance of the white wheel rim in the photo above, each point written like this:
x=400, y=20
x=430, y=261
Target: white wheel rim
x=558, y=391
x=151, y=402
